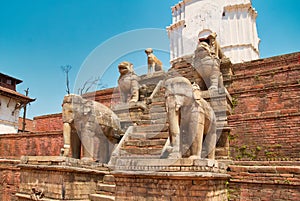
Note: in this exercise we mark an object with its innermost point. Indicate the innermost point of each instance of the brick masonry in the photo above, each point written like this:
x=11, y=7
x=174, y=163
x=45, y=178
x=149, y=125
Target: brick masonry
x=257, y=180
x=13, y=146
x=266, y=120
x=264, y=129
x=51, y=122
x=9, y=179
x=144, y=188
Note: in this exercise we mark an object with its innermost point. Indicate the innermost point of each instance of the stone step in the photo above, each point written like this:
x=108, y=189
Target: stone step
x=153, y=121
x=156, y=115
x=158, y=103
x=109, y=179
x=98, y=197
x=145, y=143
x=149, y=135
x=142, y=151
x=110, y=188
x=157, y=109
x=150, y=128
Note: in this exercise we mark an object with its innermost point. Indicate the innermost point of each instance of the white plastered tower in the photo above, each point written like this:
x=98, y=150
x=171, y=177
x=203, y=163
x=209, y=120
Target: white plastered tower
x=234, y=21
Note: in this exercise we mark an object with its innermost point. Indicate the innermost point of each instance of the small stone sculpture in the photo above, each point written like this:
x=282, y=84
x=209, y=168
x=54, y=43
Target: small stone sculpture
x=154, y=64
x=190, y=119
x=128, y=83
x=207, y=59
x=90, y=124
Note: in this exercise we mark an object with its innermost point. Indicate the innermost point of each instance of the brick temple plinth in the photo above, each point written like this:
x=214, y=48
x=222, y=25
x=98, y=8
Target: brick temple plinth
x=170, y=179
x=58, y=178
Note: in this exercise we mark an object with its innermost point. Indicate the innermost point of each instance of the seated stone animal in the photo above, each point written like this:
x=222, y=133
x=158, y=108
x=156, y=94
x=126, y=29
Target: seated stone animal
x=128, y=83
x=154, y=64
x=207, y=59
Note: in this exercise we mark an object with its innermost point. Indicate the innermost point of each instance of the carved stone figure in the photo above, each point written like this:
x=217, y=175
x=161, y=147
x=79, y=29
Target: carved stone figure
x=91, y=125
x=154, y=64
x=190, y=120
x=128, y=83
x=207, y=59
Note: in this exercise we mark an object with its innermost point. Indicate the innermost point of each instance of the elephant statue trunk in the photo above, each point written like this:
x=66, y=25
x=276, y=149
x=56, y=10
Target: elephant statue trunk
x=90, y=125
x=190, y=120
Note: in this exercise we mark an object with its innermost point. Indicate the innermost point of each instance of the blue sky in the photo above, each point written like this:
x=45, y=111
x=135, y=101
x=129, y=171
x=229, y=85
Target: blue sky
x=39, y=36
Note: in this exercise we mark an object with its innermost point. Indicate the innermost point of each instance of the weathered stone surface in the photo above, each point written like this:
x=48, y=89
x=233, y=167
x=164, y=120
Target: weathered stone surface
x=59, y=178
x=128, y=83
x=90, y=124
x=170, y=186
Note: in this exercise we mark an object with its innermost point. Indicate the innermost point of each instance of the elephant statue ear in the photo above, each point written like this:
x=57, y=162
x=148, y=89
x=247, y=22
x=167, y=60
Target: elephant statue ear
x=86, y=110
x=86, y=106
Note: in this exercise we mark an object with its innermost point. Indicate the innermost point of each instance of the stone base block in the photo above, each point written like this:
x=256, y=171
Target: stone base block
x=175, y=186
x=170, y=179
x=58, y=178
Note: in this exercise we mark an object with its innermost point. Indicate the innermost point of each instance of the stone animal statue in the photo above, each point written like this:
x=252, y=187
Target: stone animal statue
x=90, y=125
x=154, y=64
x=206, y=60
x=192, y=122
x=128, y=83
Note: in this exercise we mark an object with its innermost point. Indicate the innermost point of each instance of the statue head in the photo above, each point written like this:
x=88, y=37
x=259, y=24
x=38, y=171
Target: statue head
x=148, y=51
x=74, y=107
x=125, y=67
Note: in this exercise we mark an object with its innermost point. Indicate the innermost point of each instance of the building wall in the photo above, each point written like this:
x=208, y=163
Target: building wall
x=9, y=115
x=232, y=20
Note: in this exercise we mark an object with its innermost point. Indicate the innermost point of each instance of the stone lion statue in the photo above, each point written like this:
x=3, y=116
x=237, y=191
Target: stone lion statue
x=90, y=125
x=128, y=83
x=154, y=64
x=192, y=122
x=207, y=60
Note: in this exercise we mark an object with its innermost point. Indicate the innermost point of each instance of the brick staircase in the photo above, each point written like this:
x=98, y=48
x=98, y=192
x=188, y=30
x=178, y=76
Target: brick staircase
x=147, y=139
x=105, y=190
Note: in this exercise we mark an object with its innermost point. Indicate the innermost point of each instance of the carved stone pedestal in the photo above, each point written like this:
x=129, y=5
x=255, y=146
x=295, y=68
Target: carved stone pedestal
x=58, y=178
x=170, y=179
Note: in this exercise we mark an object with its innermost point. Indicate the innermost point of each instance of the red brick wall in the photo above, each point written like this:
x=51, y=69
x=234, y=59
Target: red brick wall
x=52, y=122
x=266, y=120
x=9, y=179
x=31, y=144
x=264, y=181
x=105, y=96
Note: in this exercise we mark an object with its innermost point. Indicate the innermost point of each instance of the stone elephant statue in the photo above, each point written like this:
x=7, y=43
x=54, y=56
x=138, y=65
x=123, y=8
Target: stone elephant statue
x=89, y=126
x=192, y=122
x=207, y=59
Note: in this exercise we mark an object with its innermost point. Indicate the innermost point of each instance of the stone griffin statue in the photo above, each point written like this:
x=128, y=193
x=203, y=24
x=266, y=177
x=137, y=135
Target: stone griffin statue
x=207, y=59
x=128, y=83
x=154, y=64
x=192, y=122
x=89, y=126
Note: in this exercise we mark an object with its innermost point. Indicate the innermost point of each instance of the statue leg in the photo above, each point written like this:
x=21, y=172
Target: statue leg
x=196, y=127
x=211, y=139
x=123, y=97
x=174, y=129
x=134, y=91
x=67, y=139
x=215, y=75
x=87, y=138
x=75, y=144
